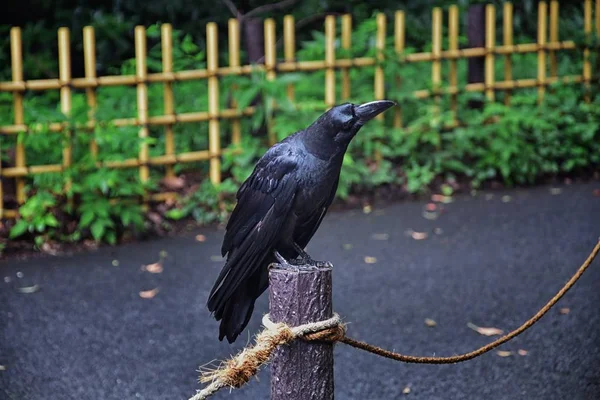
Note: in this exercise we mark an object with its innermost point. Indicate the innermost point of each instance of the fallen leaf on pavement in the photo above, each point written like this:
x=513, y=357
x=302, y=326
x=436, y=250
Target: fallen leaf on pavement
x=2, y=368
x=155, y=268
x=555, y=191
x=7, y=279
x=440, y=198
x=115, y=263
x=438, y=231
x=216, y=258
x=522, y=352
x=148, y=294
x=406, y=390
x=506, y=199
x=489, y=196
x=430, y=215
x=485, y=331
x=29, y=289
x=163, y=254
x=347, y=246
x=380, y=236
x=419, y=235
x=370, y=260
x=430, y=322
x=173, y=182
x=200, y=238
x=367, y=209
x=430, y=207
x=565, y=310
x=504, y=353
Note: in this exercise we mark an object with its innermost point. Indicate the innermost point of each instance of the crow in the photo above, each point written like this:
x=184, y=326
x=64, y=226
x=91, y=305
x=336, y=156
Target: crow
x=279, y=208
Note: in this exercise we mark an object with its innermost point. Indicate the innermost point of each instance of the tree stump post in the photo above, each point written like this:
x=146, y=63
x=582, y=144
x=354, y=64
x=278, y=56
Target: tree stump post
x=301, y=370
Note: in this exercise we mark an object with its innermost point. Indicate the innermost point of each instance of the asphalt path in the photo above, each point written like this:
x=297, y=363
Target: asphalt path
x=492, y=260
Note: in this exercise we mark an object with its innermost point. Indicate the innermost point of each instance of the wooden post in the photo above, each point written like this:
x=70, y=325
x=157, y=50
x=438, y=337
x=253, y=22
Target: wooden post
x=301, y=370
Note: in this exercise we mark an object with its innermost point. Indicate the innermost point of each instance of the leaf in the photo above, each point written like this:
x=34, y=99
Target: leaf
x=155, y=268
x=406, y=390
x=430, y=207
x=19, y=229
x=148, y=294
x=98, y=229
x=522, y=352
x=29, y=289
x=419, y=235
x=564, y=310
x=440, y=198
x=200, y=238
x=504, y=353
x=216, y=258
x=555, y=191
x=506, y=199
x=115, y=263
x=370, y=260
x=367, y=209
x=173, y=182
x=347, y=246
x=429, y=322
x=485, y=331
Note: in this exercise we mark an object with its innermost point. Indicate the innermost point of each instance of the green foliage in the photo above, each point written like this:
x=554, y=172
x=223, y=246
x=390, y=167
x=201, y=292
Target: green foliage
x=516, y=144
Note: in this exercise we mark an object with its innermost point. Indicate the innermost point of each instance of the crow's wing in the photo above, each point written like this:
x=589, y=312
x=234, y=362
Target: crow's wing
x=264, y=202
x=306, y=229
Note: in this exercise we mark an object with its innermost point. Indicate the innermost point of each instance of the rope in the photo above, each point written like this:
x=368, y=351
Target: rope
x=238, y=370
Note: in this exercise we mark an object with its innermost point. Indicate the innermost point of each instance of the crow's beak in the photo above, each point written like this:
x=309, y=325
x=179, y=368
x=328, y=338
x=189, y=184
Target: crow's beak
x=370, y=110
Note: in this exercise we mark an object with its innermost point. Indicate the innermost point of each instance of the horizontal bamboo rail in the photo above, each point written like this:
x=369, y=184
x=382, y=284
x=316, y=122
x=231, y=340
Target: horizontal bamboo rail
x=546, y=49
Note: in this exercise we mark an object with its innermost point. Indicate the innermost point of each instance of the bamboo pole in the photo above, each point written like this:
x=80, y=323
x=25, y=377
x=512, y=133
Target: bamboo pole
x=329, y=61
x=214, y=146
x=346, y=45
x=234, y=62
x=16, y=51
x=379, y=84
x=453, y=44
x=166, y=34
x=508, y=41
x=270, y=51
x=399, y=42
x=142, y=101
x=436, y=39
x=553, y=36
x=89, y=62
x=64, y=69
x=289, y=48
x=490, y=32
x=587, y=65
x=541, y=70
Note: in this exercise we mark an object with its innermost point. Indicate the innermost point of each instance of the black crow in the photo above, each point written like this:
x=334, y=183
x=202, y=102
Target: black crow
x=279, y=208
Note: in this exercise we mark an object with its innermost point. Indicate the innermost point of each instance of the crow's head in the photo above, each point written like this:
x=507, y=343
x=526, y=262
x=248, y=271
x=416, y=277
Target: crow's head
x=339, y=125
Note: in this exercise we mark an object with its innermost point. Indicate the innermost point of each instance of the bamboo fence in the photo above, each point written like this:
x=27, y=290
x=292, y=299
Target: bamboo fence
x=332, y=66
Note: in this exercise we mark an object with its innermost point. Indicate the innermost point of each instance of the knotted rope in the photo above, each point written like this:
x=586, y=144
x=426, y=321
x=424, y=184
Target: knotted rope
x=237, y=371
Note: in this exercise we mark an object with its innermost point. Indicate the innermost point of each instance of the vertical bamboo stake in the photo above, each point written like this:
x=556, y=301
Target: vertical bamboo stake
x=490, y=39
x=166, y=39
x=64, y=69
x=541, y=73
x=142, y=100
x=508, y=41
x=270, y=67
x=330, y=61
x=16, y=54
x=587, y=65
x=289, y=47
x=436, y=38
x=234, y=61
x=346, y=44
x=379, y=77
x=553, y=36
x=89, y=62
x=214, y=145
x=399, y=40
x=453, y=42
